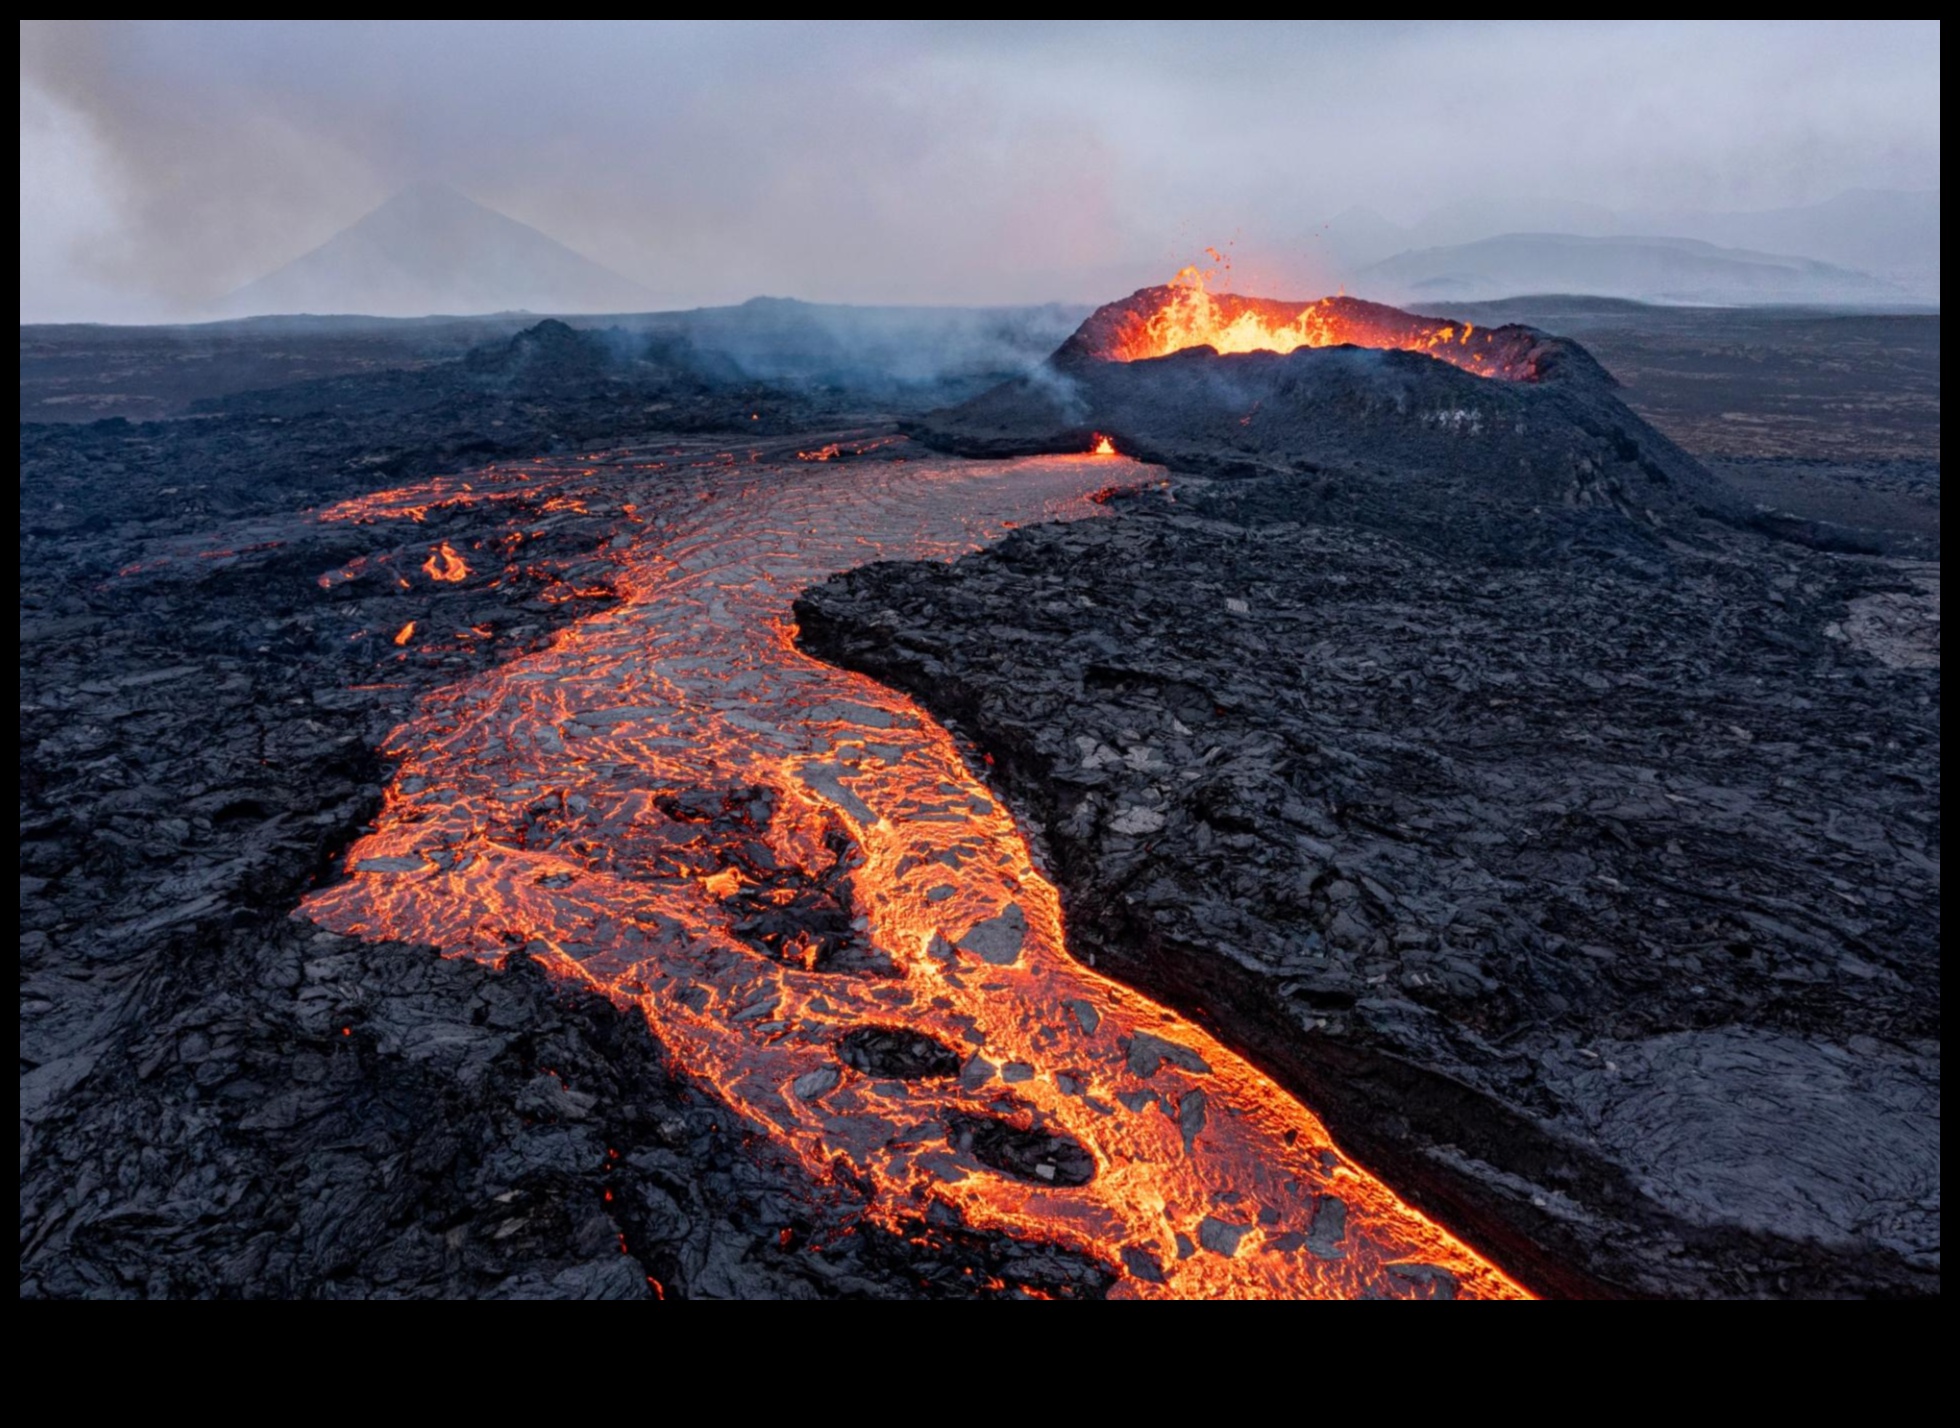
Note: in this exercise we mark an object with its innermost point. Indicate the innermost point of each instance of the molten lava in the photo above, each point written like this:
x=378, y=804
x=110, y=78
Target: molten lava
x=445, y=566
x=1103, y=447
x=824, y=913
x=1185, y=313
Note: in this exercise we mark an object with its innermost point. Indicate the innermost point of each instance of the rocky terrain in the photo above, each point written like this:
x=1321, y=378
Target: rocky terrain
x=1581, y=866
x=1529, y=453
x=1583, y=870
x=218, y=1099
x=903, y=358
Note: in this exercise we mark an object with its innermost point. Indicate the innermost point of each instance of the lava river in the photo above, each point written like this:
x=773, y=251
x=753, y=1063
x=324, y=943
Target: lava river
x=823, y=912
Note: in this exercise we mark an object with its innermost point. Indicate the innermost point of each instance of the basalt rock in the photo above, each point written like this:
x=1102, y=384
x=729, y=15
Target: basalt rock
x=1510, y=442
x=218, y=1099
x=1598, y=913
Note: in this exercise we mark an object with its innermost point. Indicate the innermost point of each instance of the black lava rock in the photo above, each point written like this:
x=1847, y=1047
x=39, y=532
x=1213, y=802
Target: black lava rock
x=1596, y=908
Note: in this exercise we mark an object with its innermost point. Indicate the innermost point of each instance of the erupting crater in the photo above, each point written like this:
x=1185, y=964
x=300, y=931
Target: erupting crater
x=823, y=912
x=1185, y=314
x=1506, y=440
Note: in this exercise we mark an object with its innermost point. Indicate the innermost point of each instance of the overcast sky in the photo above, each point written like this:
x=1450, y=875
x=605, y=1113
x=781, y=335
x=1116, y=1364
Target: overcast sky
x=164, y=164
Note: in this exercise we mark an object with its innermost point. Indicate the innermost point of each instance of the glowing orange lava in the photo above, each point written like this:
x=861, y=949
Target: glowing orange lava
x=1103, y=447
x=555, y=806
x=1187, y=314
x=405, y=633
x=445, y=566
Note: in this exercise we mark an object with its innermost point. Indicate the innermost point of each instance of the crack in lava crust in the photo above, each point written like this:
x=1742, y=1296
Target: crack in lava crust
x=636, y=803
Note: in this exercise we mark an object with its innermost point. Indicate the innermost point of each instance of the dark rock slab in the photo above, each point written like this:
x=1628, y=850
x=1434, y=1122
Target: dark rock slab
x=898, y=1052
x=1596, y=908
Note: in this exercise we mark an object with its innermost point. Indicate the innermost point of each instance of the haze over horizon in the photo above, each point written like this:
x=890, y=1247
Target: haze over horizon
x=165, y=165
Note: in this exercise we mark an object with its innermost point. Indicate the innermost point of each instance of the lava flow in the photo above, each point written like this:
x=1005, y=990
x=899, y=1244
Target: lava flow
x=1185, y=313
x=823, y=912
x=445, y=566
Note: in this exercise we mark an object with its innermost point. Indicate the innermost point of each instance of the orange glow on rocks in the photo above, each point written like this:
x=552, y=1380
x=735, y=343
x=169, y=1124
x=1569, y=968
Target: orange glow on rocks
x=824, y=913
x=445, y=566
x=405, y=633
x=1186, y=314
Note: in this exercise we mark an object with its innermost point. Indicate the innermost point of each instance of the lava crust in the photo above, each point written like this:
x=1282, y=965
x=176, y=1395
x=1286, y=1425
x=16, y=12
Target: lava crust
x=1600, y=912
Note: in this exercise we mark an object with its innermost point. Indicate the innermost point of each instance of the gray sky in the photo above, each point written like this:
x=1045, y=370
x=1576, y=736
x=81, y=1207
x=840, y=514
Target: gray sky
x=164, y=164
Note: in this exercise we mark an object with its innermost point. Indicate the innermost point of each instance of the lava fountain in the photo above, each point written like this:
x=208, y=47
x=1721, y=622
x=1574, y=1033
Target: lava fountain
x=1185, y=314
x=822, y=911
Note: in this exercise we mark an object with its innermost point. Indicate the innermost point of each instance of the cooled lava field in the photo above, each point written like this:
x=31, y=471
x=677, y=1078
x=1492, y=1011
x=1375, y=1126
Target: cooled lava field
x=1246, y=799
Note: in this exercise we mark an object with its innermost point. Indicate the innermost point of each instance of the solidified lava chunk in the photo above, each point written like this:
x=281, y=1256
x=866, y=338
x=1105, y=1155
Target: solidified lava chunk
x=744, y=806
x=1036, y=1155
x=804, y=916
x=799, y=915
x=1143, y=1264
x=897, y=1052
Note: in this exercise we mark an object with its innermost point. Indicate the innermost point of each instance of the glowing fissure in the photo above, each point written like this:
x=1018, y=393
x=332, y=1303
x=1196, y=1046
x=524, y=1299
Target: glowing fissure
x=1188, y=314
x=642, y=805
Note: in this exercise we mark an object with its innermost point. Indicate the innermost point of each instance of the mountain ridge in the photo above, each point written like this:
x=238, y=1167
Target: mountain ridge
x=1642, y=268
x=431, y=250
x=1889, y=234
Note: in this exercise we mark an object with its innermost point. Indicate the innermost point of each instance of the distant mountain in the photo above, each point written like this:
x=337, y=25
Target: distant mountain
x=431, y=250
x=1646, y=269
x=1893, y=234
x=1888, y=233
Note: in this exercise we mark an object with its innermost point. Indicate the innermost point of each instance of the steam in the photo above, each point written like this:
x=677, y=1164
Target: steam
x=907, y=355
x=878, y=349
x=1061, y=389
